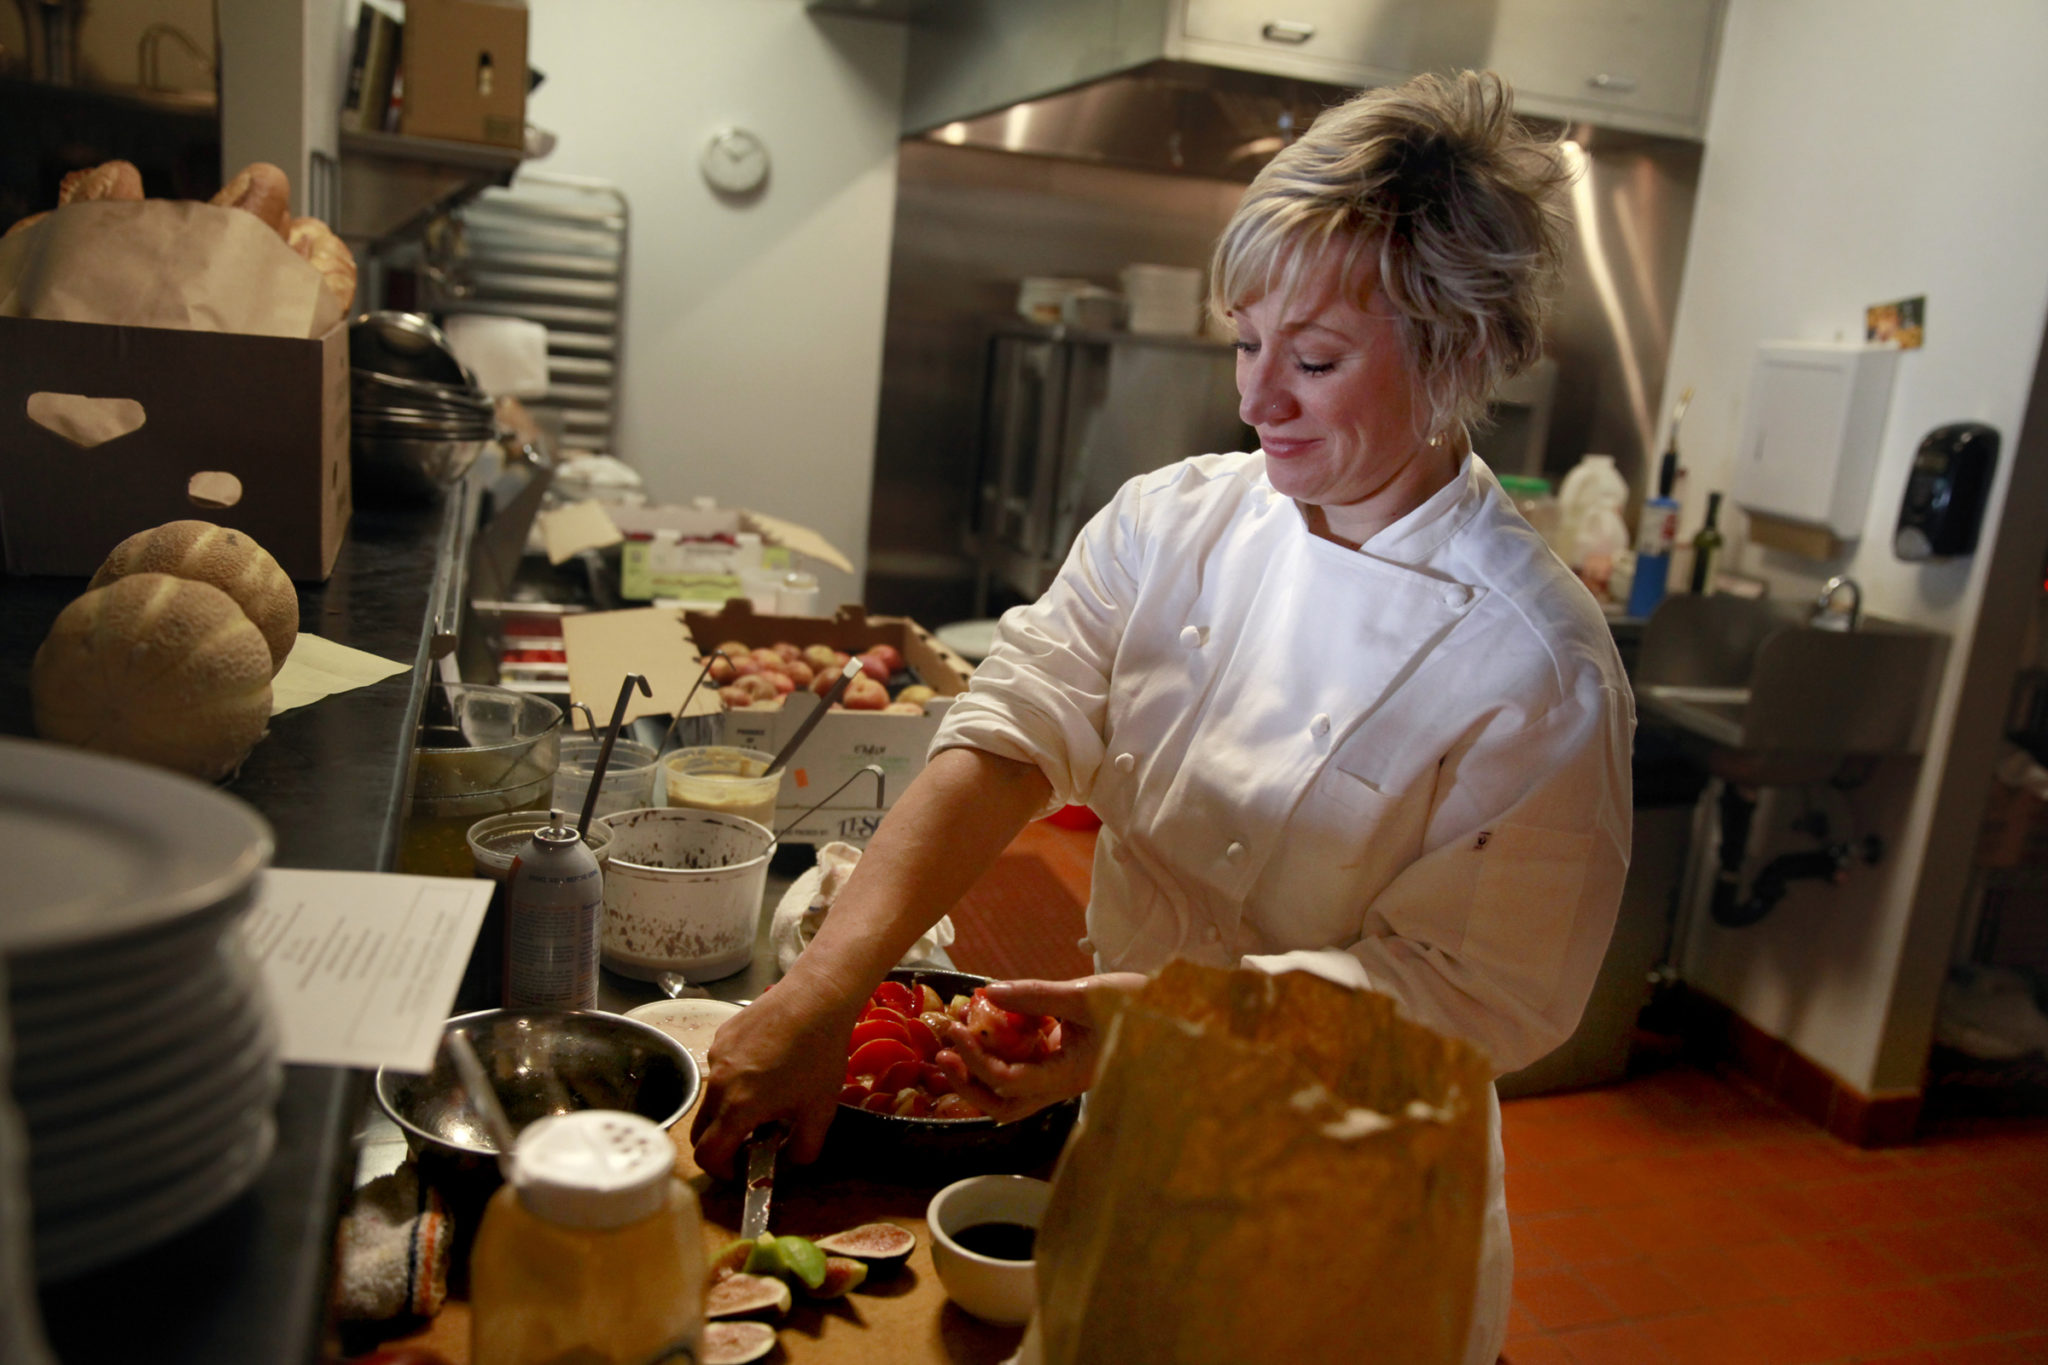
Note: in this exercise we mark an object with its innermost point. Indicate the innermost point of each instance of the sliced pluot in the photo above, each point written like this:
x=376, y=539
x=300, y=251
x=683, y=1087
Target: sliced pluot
x=736, y=1343
x=738, y=1295
x=875, y=1244
x=229, y=560
x=841, y=1274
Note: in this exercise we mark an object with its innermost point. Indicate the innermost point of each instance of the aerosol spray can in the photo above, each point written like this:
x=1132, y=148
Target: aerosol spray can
x=554, y=917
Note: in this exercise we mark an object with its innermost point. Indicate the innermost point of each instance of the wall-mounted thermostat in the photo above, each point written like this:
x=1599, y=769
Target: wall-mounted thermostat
x=1945, y=492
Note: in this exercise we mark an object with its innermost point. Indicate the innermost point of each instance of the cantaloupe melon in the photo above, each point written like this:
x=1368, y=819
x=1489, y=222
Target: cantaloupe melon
x=229, y=560
x=157, y=668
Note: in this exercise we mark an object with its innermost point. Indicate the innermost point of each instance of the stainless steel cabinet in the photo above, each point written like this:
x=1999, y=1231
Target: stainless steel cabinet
x=1642, y=64
x=1351, y=42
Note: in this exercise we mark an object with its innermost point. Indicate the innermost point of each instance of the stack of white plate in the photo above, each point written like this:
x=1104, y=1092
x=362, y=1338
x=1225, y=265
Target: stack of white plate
x=145, y=1058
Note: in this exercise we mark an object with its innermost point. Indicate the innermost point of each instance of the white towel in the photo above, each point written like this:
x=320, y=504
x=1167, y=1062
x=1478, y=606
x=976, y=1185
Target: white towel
x=804, y=906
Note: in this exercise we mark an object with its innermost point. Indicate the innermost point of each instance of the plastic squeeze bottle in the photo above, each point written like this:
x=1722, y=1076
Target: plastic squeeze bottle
x=591, y=1250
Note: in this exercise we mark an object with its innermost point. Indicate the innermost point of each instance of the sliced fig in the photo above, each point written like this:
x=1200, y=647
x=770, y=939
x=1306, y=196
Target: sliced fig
x=841, y=1274
x=880, y=1246
x=730, y=1261
x=737, y=1295
x=736, y=1343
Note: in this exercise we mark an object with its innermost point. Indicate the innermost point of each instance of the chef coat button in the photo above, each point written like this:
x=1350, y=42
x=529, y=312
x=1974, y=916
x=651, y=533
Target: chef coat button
x=1190, y=636
x=1126, y=762
x=1320, y=726
x=1452, y=597
x=1235, y=853
x=1210, y=933
x=1086, y=945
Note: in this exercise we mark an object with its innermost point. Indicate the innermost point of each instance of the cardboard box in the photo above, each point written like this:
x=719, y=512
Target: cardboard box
x=259, y=420
x=687, y=553
x=845, y=741
x=464, y=64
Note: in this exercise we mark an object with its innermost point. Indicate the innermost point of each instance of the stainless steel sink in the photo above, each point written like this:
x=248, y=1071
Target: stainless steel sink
x=1756, y=678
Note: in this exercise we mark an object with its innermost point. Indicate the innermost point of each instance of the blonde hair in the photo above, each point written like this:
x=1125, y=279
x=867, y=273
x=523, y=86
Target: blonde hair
x=1458, y=206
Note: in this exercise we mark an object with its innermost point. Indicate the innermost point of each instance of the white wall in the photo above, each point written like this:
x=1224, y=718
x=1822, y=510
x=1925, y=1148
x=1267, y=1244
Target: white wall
x=1860, y=151
x=754, y=331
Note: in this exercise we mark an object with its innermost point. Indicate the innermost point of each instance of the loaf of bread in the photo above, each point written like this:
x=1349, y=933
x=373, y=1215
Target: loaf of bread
x=329, y=255
x=110, y=180
x=155, y=668
x=262, y=189
x=228, y=560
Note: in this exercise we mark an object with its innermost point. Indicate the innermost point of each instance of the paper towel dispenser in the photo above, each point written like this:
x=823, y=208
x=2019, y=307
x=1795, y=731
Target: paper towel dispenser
x=1811, y=431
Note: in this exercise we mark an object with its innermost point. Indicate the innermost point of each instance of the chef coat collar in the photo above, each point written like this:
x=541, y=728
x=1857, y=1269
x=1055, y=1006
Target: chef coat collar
x=1416, y=536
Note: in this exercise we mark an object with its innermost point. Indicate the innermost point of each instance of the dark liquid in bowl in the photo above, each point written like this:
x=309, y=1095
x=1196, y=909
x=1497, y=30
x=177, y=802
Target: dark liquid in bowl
x=999, y=1241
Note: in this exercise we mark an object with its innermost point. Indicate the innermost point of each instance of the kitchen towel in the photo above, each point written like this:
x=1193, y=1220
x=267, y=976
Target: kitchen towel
x=809, y=899
x=393, y=1250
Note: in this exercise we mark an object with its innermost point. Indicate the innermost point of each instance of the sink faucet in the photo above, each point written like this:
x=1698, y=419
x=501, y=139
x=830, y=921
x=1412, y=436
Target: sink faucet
x=1823, y=605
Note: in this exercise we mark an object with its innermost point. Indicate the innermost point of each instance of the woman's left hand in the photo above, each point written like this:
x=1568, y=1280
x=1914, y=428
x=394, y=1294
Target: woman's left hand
x=1008, y=1091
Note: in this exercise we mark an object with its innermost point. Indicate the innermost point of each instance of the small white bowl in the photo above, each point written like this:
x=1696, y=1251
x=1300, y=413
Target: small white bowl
x=995, y=1291
x=689, y=1021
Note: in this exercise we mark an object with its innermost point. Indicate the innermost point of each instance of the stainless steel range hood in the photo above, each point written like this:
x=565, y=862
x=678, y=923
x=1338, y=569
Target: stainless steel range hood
x=1165, y=116
x=1640, y=65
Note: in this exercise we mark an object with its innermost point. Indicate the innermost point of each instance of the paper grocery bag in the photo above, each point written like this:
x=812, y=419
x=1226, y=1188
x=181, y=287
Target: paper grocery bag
x=1268, y=1168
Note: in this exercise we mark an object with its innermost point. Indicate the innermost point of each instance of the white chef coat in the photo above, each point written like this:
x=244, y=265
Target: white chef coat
x=1404, y=767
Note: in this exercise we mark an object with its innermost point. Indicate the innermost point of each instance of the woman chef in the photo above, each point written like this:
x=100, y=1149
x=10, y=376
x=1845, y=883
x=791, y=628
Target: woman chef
x=1338, y=706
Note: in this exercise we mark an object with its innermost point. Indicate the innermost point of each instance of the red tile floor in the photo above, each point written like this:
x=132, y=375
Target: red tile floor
x=1681, y=1217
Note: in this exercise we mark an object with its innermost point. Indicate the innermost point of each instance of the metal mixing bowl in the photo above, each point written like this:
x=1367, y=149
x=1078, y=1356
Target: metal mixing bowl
x=541, y=1062
x=407, y=467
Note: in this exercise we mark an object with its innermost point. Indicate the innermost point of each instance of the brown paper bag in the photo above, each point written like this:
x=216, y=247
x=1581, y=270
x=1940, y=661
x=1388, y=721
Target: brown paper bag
x=1268, y=1168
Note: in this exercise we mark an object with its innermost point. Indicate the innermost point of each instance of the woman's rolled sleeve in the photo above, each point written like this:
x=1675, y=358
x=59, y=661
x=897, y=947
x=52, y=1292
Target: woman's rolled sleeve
x=1042, y=694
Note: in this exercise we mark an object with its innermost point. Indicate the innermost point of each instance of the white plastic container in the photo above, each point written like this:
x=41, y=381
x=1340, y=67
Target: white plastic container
x=1164, y=300
x=1594, y=484
x=592, y=1251
x=683, y=893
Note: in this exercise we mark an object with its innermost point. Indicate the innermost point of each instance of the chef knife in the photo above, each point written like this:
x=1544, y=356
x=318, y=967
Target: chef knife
x=760, y=1179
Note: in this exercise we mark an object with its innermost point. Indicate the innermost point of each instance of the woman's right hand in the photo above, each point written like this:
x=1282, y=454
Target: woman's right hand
x=781, y=1058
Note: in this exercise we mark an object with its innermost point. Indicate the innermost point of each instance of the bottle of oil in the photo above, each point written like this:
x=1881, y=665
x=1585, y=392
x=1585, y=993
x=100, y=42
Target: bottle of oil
x=1706, y=549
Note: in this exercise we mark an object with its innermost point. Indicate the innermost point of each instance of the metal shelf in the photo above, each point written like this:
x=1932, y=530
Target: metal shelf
x=392, y=184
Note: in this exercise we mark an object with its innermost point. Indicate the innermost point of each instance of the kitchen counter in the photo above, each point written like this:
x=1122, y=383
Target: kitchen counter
x=250, y=1283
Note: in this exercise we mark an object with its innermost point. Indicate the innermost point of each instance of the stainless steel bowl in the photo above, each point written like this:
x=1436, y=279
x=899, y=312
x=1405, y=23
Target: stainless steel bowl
x=407, y=467
x=541, y=1062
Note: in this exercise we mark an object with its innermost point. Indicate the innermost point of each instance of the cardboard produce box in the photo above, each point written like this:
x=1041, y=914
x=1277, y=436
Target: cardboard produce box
x=219, y=391
x=845, y=741
x=465, y=71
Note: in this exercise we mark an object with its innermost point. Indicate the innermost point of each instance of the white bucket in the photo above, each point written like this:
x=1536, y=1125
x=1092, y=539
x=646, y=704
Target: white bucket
x=683, y=893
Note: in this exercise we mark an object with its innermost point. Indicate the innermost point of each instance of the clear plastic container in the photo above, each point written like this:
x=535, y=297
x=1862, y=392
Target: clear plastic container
x=1537, y=504
x=723, y=778
x=591, y=1252
x=628, y=775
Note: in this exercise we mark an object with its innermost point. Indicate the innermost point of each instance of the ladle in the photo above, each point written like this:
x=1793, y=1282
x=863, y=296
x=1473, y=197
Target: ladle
x=846, y=675
x=482, y=1098
x=604, y=754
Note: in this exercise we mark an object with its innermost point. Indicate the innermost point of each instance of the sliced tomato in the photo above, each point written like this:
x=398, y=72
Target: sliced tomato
x=928, y=999
x=867, y=1030
x=854, y=1091
x=936, y=1081
x=884, y=1013
x=900, y=1076
x=881, y=1102
x=923, y=1041
x=872, y=1059
x=896, y=996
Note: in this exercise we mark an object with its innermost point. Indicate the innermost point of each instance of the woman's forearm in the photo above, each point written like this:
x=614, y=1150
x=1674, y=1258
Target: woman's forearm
x=948, y=827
